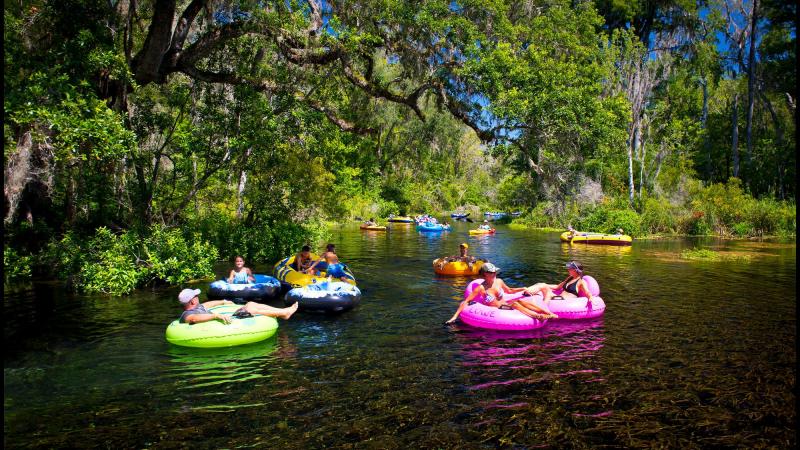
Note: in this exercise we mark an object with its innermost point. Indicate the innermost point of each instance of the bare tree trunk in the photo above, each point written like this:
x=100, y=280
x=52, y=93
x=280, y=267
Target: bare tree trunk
x=735, y=136
x=751, y=83
x=242, y=184
x=17, y=174
x=631, y=150
x=704, y=125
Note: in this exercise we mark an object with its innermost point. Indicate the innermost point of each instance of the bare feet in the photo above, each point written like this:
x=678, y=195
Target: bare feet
x=288, y=311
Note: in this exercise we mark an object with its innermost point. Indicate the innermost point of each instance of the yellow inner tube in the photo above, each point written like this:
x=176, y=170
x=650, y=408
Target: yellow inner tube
x=373, y=227
x=456, y=267
x=286, y=273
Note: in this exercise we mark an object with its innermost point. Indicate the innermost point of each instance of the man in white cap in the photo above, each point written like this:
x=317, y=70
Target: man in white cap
x=196, y=312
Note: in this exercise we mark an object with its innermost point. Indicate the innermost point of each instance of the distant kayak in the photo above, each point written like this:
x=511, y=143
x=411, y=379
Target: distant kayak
x=581, y=237
x=373, y=228
x=401, y=219
x=482, y=231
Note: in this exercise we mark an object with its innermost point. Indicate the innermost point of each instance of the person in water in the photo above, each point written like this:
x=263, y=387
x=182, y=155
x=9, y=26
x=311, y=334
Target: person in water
x=463, y=256
x=196, y=312
x=303, y=261
x=335, y=268
x=574, y=286
x=491, y=293
x=240, y=274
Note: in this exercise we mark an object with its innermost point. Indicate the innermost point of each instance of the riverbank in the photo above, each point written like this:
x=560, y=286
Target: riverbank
x=651, y=237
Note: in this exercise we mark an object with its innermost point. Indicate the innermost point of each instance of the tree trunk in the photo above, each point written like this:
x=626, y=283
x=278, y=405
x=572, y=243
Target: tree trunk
x=242, y=184
x=704, y=125
x=631, y=149
x=735, y=136
x=17, y=173
x=751, y=83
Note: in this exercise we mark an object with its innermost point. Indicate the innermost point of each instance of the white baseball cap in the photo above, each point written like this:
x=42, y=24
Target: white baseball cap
x=489, y=267
x=187, y=295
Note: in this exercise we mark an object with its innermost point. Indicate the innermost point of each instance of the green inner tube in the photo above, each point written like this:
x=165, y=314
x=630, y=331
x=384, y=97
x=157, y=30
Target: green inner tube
x=215, y=333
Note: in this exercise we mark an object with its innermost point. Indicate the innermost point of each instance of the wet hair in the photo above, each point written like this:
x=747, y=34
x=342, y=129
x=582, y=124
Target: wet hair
x=306, y=248
x=237, y=257
x=330, y=247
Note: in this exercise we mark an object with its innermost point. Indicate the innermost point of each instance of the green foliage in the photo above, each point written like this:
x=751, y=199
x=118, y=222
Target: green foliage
x=118, y=263
x=658, y=216
x=544, y=216
x=15, y=267
x=605, y=218
x=265, y=243
x=255, y=166
x=727, y=209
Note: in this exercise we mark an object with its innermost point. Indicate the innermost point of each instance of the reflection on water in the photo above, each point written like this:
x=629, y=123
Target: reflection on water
x=688, y=354
x=194, y=368
x=534, y=355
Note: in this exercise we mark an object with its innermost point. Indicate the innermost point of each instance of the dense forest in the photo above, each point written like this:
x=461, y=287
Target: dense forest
x=145, y=140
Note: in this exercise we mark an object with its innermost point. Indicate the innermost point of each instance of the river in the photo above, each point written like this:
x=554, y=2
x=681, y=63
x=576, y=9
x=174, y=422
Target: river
x=688, y=354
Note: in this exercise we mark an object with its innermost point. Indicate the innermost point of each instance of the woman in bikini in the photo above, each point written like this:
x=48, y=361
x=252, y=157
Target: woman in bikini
x=574, y=286
x=491, y=293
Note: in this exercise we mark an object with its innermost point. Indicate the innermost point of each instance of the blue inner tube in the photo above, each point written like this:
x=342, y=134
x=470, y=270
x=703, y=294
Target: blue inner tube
x=427, y=226
x=264, y=287
x=325, y=297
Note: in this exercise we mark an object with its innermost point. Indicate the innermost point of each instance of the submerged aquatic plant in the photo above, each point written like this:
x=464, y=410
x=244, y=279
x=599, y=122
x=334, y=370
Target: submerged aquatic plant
x=710, y=255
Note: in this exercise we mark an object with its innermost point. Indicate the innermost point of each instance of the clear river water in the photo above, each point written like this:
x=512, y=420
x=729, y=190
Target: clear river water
x=689, y=354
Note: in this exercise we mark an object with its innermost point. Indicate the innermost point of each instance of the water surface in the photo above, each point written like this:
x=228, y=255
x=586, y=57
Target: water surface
x=688, y=354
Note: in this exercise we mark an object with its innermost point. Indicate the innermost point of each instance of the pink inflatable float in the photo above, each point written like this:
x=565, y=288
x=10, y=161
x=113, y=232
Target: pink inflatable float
x=481, y=316
x=581, y=307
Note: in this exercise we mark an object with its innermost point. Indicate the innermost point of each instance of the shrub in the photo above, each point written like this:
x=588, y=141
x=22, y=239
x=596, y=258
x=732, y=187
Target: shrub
x=626, y=219
x=263, y=243
x=15, y=267
x=606, y=218
x=119, y=263
x=695, y=224
x=658, y=216
x=543, y=216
